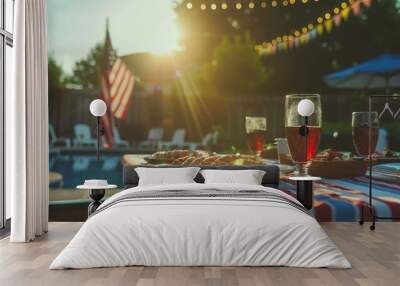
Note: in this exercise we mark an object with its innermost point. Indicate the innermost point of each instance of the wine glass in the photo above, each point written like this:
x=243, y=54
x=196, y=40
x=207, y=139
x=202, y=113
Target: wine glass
x=256, y=132
x=365, y=144
x=302, y=145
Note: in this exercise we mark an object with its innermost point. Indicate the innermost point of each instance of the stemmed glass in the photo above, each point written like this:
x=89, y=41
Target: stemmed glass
x=256, y=132
x=364, y=142
x=303, y=147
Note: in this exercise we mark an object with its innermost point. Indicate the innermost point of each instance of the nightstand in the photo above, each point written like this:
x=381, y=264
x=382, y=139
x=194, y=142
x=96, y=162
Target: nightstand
x=97, y=190
x=305, y=190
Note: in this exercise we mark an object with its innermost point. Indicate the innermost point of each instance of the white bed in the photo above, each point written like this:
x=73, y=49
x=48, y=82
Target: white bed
x=206, y=230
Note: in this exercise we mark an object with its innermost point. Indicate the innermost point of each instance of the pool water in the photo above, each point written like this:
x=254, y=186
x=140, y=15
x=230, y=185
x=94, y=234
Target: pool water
x=76, y=168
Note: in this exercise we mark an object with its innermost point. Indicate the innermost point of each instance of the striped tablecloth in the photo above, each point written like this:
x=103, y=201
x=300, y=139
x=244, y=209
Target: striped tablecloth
x=341, y=199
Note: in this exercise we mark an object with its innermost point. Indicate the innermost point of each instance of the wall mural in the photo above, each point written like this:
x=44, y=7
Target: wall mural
x=212, y=82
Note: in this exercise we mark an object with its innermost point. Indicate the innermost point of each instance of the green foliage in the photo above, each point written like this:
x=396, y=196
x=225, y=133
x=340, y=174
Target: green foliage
x=235, y=68
x=87, y=72
x=56, y=74
x=340, y=127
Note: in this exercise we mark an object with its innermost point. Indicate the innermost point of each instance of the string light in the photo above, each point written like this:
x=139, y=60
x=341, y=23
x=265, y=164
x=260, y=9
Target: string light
x=253, y=4
x=311, y=30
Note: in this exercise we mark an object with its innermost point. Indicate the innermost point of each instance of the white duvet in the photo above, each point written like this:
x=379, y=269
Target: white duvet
x=200, y=231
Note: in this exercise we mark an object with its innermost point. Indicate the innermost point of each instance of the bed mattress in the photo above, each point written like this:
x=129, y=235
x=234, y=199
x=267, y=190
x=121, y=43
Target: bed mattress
x=201, y=225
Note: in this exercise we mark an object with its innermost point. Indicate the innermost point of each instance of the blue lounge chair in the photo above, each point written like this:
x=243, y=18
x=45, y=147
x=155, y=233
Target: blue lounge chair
x=55, y=141
x=154, y=136
x=177, y=141
x=209, y=140
x=118, y=140
x=83, y=136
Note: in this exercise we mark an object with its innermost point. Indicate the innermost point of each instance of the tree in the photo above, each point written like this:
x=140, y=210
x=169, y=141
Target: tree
x=358, y=39
x=235, y=68
x=56, y=74
x=87, y=72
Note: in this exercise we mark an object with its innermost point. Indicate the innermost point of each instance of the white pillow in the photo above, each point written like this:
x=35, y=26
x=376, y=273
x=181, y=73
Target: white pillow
x=166, y=176
x=248, y=177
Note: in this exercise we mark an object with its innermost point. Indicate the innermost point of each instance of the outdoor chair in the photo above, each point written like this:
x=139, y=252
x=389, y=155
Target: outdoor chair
x=177, y=141
x=56, y=141
x=154, y=136
x=118, y=140
x=83, y=136
x=210, y=139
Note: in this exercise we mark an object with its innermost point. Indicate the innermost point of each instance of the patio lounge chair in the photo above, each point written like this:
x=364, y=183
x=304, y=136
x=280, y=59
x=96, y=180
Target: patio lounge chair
x=118, y=140
x=177, y=141
x=154, y=136
x=83, y=136
x=56, y=141
x=208, y=140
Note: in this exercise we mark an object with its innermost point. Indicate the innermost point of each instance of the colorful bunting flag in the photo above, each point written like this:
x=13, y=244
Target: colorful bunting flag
x=356, y=7
x=328, y=26
x=313, y=30
x=337, y=20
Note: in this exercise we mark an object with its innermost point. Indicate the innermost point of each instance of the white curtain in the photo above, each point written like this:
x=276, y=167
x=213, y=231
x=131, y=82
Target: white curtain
x=27, y=124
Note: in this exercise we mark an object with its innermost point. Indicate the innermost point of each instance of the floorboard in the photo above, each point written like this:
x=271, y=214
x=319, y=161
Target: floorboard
x=375, y=257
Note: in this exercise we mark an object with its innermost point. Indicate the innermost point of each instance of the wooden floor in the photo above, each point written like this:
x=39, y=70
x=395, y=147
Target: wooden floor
x=375, y=257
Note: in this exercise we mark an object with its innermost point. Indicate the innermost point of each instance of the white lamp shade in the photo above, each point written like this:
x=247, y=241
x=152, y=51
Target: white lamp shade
x=98, y=107
x=305, y=107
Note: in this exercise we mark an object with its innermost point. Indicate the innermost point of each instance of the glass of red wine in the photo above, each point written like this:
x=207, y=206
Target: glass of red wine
x=302, y=145
x=361, y=132
x=256, y=132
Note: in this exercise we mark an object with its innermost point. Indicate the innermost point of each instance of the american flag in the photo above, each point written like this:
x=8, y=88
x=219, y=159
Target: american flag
x=121, y=84
x=116, y=89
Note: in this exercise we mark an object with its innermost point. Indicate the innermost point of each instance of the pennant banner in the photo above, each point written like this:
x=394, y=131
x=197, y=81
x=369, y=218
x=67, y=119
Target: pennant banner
x=325, y=24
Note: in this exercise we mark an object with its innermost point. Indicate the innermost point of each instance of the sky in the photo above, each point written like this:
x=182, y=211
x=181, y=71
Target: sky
x=75, y=26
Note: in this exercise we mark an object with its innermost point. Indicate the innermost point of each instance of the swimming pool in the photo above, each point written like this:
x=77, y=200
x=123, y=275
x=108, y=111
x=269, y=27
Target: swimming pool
x=75, y=167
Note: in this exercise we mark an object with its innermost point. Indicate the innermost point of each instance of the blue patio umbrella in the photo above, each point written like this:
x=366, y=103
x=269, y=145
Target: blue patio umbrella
x=379, y=73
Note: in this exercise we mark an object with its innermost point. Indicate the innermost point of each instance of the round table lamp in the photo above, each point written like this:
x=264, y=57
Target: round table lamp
x=305, y=107
x=98, y=108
